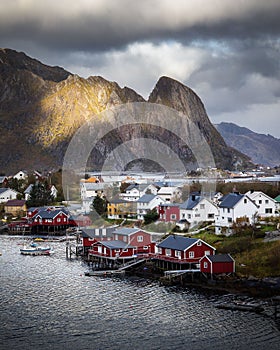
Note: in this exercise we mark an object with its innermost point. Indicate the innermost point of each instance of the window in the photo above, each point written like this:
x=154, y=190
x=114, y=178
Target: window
x=205, y=264
x=124, y=238
x=207, y=252
x=268, y=210
x=229, y=220
x=211, y=216
x=168, y=252
x=202, y=206
x=228, y=210
x=191, y=254
x=245, y=200
x=116, y=237
x=145, y=247
x=117, y=250
x=139, y=238
x=197, y=215
x=173, y=216
x=125, y=250
x=159, y=250
x=178, y=254
x=189, y=216
x=58, y=220
x=183, y=216
x=199, y=243
x=260, y=201
x=266, y=201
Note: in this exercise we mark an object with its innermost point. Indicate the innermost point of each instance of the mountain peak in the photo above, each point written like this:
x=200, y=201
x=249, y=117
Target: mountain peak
x=12, y=61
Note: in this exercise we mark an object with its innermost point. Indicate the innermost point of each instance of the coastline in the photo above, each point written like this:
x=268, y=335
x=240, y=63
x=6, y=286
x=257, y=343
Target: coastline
x=266, y=287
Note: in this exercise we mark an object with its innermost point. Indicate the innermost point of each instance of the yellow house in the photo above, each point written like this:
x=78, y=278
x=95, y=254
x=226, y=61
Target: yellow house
x=16, y=207
x=121, y=209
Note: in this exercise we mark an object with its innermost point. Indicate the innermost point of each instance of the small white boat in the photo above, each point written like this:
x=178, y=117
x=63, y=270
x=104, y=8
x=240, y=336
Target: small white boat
x=34, y=249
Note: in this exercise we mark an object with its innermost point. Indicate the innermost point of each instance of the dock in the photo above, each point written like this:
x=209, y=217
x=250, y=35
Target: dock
x=105, y=273
x=241, y=307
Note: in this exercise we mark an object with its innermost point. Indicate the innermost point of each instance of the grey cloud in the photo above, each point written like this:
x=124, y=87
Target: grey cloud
x=99, y=25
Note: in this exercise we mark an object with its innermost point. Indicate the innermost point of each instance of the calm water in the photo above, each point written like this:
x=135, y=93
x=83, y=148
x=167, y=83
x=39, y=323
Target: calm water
x=48, y=303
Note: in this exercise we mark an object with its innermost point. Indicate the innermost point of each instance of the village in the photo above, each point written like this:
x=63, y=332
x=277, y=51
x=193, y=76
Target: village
x=148, y=218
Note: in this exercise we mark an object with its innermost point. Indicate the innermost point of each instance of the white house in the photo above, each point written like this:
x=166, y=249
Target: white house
x=234, y=208
x=91, y=190
x=7, y=194
x=169, y=193
x=197, y=209
x=21, y=175
x=266, y=205
x=134, y=191
x=147, y=202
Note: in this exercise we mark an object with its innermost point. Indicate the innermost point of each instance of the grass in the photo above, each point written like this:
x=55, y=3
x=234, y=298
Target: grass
x=252, y=255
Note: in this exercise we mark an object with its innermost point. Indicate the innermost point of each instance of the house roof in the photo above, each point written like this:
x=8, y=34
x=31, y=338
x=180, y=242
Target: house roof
x=116, y=244
x=91, y=232
x=45, y=214
x=146, y=198
x=190, y=203
x=277, y=199
x=126, y=231
x=167, y=189
x=2, y=190
x=177, y=242
x=220, y=258
x=15, y=203
x=29, y=188
x=2, y=178
x=230, y=200
x=131, y=187
x=118, y=201
x=170, y=205
x=92, y=186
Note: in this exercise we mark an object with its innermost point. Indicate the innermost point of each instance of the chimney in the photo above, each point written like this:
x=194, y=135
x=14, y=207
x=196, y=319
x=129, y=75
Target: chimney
x=193, y=197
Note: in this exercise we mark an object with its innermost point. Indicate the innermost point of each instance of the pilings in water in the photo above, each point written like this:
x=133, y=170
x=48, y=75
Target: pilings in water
x=71, y=250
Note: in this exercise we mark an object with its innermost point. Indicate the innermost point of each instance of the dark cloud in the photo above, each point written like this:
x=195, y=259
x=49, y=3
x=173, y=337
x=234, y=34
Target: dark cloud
x=100, y=25
x=227, y=51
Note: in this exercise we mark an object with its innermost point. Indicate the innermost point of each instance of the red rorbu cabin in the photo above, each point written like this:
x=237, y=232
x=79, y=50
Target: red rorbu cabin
x=215, y=264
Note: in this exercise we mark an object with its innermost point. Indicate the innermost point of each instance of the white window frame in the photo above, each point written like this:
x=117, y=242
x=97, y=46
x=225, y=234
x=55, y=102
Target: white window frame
x=168, y=252
x=178, y=254
x=205, y=264
x=191, y=254
x=140, y=239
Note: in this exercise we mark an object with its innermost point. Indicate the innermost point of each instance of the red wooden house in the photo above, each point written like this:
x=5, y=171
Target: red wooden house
x=51, y=219
x=169, y=212
x=90, y=236
x=181, y=249
x=215, y=264
x=112, y=250
x=143, y=241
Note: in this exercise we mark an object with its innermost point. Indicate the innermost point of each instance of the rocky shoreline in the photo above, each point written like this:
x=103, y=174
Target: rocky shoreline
x=263, y=288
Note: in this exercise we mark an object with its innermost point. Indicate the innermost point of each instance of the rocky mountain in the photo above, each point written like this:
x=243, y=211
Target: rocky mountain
x=262, y=149
x=41, y=108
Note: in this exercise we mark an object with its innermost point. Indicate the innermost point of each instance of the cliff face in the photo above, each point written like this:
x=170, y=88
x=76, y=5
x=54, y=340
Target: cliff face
x=42, y=107
x=173, y=94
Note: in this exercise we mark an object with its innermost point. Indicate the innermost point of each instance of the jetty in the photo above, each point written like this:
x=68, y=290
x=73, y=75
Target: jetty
x=105, y=273
x=241, y=306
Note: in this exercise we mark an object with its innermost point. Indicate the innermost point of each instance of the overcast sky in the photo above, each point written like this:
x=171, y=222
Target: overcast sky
x=227, y=51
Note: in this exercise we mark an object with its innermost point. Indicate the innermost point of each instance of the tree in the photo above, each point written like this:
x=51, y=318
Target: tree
x=151, y=216
x=100, y=205
x=40, y=195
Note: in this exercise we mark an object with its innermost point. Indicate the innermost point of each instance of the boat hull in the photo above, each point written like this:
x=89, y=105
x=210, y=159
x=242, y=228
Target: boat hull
x=35, y=251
